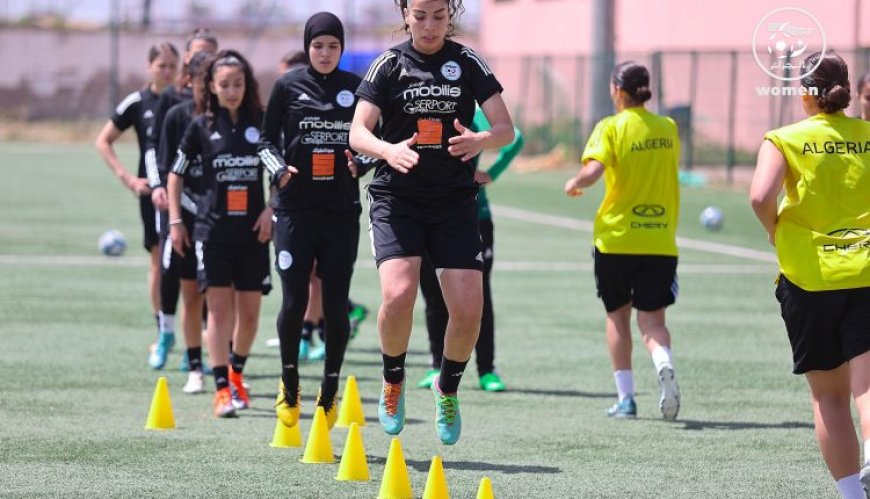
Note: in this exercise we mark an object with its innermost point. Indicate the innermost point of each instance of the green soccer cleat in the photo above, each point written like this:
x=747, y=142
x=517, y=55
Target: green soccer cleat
x=448, y=422
x=491, y=382
x=391, y=408
x=624, y=409
x=427, y=380
x=356, y=315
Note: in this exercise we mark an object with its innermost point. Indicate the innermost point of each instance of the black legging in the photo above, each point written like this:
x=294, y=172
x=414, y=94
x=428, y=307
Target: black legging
x=330, y=239
x=437, y=315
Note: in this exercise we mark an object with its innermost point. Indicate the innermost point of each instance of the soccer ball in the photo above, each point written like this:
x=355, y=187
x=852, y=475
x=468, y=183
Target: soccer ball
x=711, y=218
x=112, y=243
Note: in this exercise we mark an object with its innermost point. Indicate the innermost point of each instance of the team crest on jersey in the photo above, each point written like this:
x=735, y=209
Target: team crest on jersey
x=252, y=135
x=451, y=70
x=344, y=98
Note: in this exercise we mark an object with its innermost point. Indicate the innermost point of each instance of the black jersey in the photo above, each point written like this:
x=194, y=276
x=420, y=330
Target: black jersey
x=168, y=99
x=138, y=110
x=314, y=111
x=177, y=120
x=423, y=94
x=232, y=176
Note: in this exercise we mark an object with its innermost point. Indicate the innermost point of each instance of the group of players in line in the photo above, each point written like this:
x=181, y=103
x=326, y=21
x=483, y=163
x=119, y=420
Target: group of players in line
x=419, y=118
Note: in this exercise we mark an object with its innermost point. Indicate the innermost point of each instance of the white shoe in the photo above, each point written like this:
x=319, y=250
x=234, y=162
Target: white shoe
x=194, y=383
x=273, y=342
x=669, y=402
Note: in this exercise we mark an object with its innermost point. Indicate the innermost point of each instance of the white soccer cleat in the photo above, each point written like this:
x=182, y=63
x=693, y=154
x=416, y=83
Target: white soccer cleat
x=194, y=383
x=273, y=342
x=669, y=403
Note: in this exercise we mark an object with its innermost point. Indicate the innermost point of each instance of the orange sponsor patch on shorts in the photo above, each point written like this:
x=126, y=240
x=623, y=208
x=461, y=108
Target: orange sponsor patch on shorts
x=430, y=131
x=322, y=164
x=237, y=200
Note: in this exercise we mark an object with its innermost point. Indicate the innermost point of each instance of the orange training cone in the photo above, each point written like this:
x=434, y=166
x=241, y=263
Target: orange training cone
x=160, y=416
x=485, y=490
x=319, y=448
x=436, y=482
x=353, y=465
x=396, y=483
x=286, y=437
x=351, y=410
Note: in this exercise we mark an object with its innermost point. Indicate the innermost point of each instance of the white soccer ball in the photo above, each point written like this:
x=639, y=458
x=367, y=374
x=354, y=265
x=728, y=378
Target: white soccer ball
x=711, y=218
x=112, y=243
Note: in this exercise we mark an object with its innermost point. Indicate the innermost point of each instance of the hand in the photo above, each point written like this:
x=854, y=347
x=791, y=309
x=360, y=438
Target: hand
x=139, y=186
x=350, y=164
x=572, y=189
x=283, y=179
x=771, y=238
x=159, y=198
x=482, y=178
x=400, y=156
x=467, y=144
x=180, y=238
x=264, y=225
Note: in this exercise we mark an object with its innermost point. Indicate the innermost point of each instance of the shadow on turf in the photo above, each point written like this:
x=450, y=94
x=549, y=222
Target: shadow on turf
x=694, y=425
x=268, y=412
x=510, y=469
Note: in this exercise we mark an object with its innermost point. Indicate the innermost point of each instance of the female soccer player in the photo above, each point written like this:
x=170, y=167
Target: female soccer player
x=233, y=224
x=635, y=231
x=317, y=204
x=137, y=110
x=175, y=266
x=201, y=40
x=422, y=199
x=864, y=95
x=436, y=310
x=821, y=232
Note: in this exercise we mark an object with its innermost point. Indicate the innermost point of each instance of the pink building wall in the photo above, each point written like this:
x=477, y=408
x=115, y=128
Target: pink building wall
x=562, y=27
x=538, y=49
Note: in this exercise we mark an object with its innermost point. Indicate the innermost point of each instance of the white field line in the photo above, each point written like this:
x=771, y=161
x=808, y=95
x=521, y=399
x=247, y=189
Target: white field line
x=367, y=263
x=586, y=226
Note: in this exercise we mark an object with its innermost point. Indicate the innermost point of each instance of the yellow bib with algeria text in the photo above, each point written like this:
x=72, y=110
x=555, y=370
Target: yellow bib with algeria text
x=640, y=152
x=823, y=229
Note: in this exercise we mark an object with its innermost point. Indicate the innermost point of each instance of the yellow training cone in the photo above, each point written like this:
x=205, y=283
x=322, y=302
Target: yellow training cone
x=396, y=483
x=436, y=483
x=351, y=410
x=319, y=448
x=160, y=416
x=485, y=490
x=353, y=465
x=286, y=437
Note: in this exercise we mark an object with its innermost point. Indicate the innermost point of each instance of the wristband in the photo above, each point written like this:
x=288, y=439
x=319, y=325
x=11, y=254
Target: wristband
x=176, y=221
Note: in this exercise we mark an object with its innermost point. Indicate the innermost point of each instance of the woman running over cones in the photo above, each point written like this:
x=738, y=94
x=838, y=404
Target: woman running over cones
x=422, y=199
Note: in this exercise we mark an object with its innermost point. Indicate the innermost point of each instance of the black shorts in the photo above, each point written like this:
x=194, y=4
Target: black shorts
x=648, y=282
x=332, y=239
x=150, y=229
x=449, y=234
x=170, y=261
x=245, y=267
x=825, y=328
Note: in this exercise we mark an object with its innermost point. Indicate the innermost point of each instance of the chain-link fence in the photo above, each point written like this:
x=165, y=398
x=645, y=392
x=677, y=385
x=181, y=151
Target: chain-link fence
x=722, y=100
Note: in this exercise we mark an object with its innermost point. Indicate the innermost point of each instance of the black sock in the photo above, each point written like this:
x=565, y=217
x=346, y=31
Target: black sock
x=290, y=376
x=321, y=330
x=451, y=375
x=194, y=358
x=221, y=377
x=328, y=388
x=394, y=368
x=307, y=329
x=238, y=362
